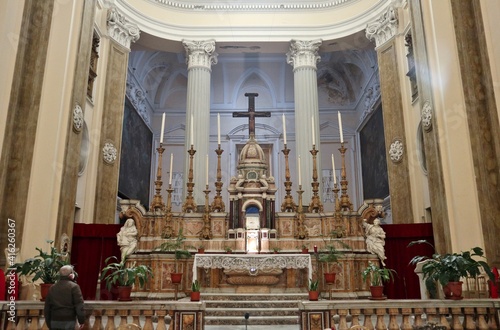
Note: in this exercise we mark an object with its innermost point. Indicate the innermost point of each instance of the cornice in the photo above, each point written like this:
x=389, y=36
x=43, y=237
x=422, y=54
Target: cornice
x=255, y=5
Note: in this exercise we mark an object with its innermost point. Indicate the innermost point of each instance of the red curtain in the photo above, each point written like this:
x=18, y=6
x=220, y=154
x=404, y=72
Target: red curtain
x=92, y=244
x=405, y=285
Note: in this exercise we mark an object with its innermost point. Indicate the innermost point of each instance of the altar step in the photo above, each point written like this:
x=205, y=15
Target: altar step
x=263, y=309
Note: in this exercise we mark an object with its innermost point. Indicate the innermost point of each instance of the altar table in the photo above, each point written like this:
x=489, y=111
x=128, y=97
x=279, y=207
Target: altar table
x=252, y=262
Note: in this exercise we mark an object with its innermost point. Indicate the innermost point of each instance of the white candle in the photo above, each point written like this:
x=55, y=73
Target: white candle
x=218, y=129
x=340, y=128
x=171, y=166
x=206, y=172
x=162, y=127
x=284, y=129
x=192, y=131
x=312, y=126
x=333, y=171
x=300, y=178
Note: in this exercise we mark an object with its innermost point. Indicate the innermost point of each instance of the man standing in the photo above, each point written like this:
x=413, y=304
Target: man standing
x=64, y=303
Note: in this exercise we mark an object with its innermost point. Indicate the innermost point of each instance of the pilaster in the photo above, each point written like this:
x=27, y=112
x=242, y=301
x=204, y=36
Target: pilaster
x=384, y=31
x=121, y=33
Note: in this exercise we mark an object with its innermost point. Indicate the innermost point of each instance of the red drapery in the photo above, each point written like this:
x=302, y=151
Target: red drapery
x=405, y=285
x=92, y=244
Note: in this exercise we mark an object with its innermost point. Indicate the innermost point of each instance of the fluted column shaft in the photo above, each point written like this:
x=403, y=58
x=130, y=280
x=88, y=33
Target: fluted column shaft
x=200, y=57
x=303, y=56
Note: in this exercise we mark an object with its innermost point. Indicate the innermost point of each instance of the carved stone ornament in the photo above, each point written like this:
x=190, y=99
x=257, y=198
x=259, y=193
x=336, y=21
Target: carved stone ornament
x=77, y=118
x=384, y=28
x=303, y=53
x=109, y=153
x=200, y=53
x=426, y=116
x=120, y=29
x=396, y=151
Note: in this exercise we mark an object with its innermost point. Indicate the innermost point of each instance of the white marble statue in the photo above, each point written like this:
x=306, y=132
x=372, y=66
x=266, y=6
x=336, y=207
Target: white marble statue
x=127, y=238
x=375, y=239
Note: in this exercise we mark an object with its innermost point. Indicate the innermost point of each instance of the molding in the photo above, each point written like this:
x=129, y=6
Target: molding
x=121, y=29
x=384, y=28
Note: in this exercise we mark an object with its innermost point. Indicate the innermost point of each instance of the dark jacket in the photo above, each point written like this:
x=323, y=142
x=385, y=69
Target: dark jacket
x=64, y=302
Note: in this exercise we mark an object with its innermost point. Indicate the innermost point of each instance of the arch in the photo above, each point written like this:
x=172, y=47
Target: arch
x=252, y=202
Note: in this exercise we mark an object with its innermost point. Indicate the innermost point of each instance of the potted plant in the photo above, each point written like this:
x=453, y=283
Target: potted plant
x=313, y=289
x=228, y=249
x=124, y=276
x=304, y=248
x=44, y=266
x=378, y=276
x=201, y=249
x=331, y=254
x=276, y=249
x=195, y=291
x=176, y=245
x=448, y=270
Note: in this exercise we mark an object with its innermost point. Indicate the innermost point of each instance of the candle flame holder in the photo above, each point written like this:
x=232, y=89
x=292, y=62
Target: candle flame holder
x=189, y=204
x=288, y=204
x=157, y=203
x=218, y=203
x=300, y=229
x=315, y=205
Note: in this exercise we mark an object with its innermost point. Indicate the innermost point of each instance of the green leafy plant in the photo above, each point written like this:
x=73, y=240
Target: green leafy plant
x=195, y=286
x=331, y=253
x=176, y=245
x=276, y=249
x=451, y=267
x=378, y=275
x=118, y=273
x=313, y=285
x=45, y=266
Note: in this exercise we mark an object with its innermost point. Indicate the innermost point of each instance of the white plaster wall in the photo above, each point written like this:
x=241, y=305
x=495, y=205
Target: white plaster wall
x=463, y=211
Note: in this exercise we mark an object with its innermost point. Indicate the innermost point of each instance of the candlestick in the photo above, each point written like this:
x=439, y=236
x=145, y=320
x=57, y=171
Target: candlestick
x=340, y=128
x=192, y=131
x=312, y=126
x=218, y=129
x=171, y=166
x=284, y=129
x=333, y=171
x=162, y=127
x=300, y=178
x=206, y=172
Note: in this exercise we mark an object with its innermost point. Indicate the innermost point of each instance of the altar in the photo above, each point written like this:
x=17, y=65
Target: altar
x=252, y=272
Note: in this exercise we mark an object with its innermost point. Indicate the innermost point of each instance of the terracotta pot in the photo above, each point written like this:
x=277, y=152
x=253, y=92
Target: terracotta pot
x=44, y=290
x=176, y=277
x=377, y=292
x=195, y=296
x=453, y=291
x=329, y=278
x=201, y=251
x=305, y=251
x=124, y=293
x=313, y=295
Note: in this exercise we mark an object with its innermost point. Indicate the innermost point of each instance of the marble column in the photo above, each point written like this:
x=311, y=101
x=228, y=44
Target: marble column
x=121, y=33
x=384, y=31
x=303, y=56
x=22, y=117
x=200, y=57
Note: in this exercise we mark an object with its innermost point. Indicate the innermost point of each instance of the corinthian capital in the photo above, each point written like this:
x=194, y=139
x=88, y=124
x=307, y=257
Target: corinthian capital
x=200, y=53
x=384, y=28
x=120, y=29
x=303, y=53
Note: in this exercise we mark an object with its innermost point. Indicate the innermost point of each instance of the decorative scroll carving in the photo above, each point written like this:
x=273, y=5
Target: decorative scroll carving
x=426, y=116
x=384, y=28
x=200, y=53
x=396, y=151
x=120, y=29
x=109, y=153
x=77, y=118
x=303, y=53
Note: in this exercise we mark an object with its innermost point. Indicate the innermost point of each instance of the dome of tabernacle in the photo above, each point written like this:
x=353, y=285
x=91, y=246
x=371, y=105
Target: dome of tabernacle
x=252, y=153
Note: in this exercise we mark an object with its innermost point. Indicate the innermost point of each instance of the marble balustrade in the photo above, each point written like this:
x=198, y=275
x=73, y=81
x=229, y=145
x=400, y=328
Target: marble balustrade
x=314, y=315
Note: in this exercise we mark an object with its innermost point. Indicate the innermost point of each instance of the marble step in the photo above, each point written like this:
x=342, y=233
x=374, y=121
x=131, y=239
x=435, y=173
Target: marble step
x=259, y=297
x=264, y=311
x=292, y=304
x=252, y=320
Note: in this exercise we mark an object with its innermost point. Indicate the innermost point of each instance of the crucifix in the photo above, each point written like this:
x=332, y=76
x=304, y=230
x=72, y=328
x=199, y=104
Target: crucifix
x=251, y=114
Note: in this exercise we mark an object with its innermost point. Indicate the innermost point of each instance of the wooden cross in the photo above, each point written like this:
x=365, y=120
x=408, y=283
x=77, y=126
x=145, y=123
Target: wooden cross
x=251, y=114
